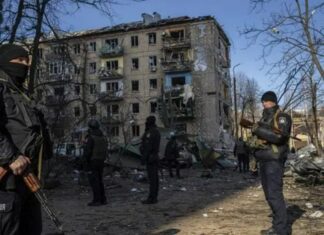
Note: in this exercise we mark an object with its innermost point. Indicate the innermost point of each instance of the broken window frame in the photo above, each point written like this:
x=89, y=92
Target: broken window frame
x=151, y=38
x=175, y=81
x=112, y=43
x=153, y=63
x=177, y=34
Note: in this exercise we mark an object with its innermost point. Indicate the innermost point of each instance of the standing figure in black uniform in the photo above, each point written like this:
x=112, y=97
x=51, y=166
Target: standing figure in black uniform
x=272, y=156
x=241, y=152
x=95, y=153
x=23, y=141
x=150, y=152
x=171, y=155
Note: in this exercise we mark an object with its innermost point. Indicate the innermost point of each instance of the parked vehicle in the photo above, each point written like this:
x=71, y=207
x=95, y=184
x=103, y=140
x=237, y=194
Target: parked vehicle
x=68, y=149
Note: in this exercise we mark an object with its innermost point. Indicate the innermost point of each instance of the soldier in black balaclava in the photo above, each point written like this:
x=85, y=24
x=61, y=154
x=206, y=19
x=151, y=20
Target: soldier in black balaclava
x=22, y=131
x=272, y=157
x=95, y=153
x=150, y=152
x=14, y=63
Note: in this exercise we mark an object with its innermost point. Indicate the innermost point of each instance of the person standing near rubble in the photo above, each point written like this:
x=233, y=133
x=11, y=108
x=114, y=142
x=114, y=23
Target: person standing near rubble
x=150, y=153
x=95, y=153
x=240, y=150
x=272, y=152
x=172, y=154
x=24, y=139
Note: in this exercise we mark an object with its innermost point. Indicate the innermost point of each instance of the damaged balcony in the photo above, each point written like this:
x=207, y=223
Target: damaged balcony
x=110, y=96
x=169, y=42
x=179, y=103
x=105, y=74
x=173, y=65
x=108, y=51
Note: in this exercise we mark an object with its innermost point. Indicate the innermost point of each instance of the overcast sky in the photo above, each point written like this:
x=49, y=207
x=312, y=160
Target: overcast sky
x=233, y=15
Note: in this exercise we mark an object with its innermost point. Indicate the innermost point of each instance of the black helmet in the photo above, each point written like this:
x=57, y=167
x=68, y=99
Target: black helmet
x=150, y=120
x=93, y=124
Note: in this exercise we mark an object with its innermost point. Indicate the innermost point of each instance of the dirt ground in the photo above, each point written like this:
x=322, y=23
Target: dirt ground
x=228, y=203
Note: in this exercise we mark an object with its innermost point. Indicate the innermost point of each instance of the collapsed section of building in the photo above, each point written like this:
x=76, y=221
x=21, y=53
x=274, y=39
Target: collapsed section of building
x=176, y=69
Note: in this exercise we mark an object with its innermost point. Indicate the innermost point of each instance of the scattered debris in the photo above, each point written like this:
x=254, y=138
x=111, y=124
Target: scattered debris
x=307, y=167
x=316, y=214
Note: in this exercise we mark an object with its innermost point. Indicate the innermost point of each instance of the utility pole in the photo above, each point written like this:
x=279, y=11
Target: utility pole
x=235, y=103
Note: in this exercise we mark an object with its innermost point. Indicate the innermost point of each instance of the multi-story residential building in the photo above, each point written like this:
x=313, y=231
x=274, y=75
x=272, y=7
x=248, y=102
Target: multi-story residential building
x=176, y=69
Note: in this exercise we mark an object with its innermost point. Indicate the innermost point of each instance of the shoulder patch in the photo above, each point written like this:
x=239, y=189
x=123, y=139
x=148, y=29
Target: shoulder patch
x=282, y=120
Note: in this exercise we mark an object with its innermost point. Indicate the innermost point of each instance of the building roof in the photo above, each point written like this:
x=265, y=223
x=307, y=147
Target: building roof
x=133, y=26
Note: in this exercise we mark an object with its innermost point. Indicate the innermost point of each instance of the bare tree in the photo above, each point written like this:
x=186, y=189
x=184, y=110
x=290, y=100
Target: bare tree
x=27, y=18
x=296, y=33
x=247, y=97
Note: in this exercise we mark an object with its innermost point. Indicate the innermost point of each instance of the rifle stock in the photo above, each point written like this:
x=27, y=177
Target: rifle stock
x=248, y=124
x=34, y=186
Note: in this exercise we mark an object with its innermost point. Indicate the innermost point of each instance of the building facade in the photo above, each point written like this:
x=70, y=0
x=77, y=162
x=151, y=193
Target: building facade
x=176, y=69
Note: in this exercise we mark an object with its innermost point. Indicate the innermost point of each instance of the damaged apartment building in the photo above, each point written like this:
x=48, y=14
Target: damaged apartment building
x=176, y=69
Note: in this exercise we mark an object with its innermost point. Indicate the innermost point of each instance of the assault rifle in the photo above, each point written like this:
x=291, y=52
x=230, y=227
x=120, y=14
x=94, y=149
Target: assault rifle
x=248, y=124
x=34, y=186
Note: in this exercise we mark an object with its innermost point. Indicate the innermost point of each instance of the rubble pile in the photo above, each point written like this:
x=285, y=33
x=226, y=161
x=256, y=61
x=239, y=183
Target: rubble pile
x=306, y=166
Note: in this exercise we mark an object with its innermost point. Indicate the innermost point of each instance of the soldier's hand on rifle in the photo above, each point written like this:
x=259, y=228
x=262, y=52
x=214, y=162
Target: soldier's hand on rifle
x=19, y=165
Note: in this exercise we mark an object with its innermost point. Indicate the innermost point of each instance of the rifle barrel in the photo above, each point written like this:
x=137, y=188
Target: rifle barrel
x=40, y=197
x=249, y=125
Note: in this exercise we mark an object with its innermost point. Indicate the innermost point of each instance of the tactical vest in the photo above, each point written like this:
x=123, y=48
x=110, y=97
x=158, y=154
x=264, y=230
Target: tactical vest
x=274, y=122
x=22, y=121
x=100, y=150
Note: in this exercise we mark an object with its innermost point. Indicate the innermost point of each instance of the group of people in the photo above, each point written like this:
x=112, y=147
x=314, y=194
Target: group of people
x=23, y=138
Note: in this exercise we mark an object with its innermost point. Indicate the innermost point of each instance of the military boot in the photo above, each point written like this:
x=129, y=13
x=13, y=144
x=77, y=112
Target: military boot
x=269, y=231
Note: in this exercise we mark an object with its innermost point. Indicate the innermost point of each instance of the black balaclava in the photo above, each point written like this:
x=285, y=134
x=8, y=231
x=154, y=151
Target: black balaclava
x=17, y=72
